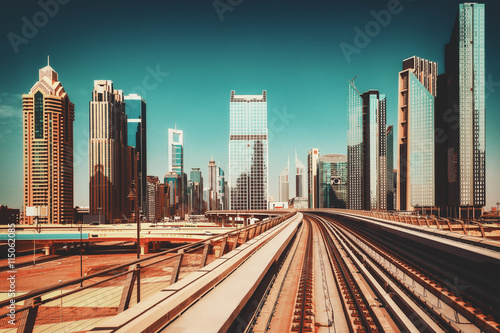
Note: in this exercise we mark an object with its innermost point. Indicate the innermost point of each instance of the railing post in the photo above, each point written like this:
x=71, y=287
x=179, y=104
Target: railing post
x=463, y=228
x=223, y=246
x=177, y=268
x=128, y=289
x=206, y=250
x=449, y=225
x=235, y=243
x=245, y=236
x=259, y=227
x=28, y=316
x=482, y=229
x=254, y=228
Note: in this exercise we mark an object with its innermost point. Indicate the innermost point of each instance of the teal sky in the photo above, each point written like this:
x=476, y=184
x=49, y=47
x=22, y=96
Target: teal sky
x=289, y=48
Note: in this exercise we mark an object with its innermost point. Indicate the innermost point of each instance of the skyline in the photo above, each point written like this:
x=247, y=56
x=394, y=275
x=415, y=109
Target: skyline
x=299, y=115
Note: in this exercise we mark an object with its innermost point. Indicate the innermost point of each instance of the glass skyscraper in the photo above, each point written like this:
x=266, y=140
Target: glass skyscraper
x=367, y=150
x=472, y=105
x=248, y=151
x=135, y=108
x=417, y=90
x=197, y=180
x=176, y=151
x=355, y=148
x=461, y=89
x=332, y=181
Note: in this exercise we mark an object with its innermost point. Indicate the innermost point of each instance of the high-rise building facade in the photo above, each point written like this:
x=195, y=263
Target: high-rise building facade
x=355, y=148
x=461, y=89
x=197, y=194
x=135, y=108
x=300, y=179
x=176, y=151
x=48, y=117
x=367, y=150
x=391, y=203
x=332, y=181
x=221, y=189
x=284, y=184
x=312, y=178
x=155, y=202
x=248, y=151
x=417, y=90
x=109, y=188
x=213, y=174
x=173, y=185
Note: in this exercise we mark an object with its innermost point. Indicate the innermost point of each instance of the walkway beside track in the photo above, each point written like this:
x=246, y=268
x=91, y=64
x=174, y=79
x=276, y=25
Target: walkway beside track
x=188, y=305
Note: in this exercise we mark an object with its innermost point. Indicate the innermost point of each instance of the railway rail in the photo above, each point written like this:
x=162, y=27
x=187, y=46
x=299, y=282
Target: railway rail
x=416, y=293
x=303, y=316
x=471, y=295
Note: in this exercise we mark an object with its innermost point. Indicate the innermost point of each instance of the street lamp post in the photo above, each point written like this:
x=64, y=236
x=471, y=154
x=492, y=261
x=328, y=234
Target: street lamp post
x=133, y=195
x=81, y=253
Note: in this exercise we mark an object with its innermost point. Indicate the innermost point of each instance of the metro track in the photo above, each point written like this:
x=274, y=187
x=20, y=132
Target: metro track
x=424, y=302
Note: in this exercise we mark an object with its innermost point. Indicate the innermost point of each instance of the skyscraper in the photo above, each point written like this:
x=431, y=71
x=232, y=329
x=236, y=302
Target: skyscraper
x=176, y=151
x=135, y=108
x=248, y=151
x=332, y=181
x=390, y=171
x=367, y=150
x=300, y=179
x=221, y=189
x=312, y=177
x=461, y=92
x=417, y=90
x=284, y=185
x=212, y=203
x=197, y=179
x=48, y=117
x=108, y=152
x=173, y=185
x=355, y=149
x=153, y=196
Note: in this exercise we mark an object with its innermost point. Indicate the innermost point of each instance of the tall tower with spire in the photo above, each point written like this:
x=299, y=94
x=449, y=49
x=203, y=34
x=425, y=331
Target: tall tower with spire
x=284, y=184
x=300, y=179
x=48, y=117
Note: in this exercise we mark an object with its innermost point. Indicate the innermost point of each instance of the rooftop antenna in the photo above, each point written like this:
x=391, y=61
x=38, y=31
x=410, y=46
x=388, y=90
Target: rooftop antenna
x=48, y=60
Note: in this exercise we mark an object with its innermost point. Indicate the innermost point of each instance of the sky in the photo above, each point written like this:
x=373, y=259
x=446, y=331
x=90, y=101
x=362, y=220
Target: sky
x=186, y=56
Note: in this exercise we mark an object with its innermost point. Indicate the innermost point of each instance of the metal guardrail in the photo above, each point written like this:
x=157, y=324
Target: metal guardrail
x=81, y=303
x=438, y=223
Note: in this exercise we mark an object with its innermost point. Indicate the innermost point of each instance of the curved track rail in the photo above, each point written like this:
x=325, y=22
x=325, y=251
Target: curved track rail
x=423, y=299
